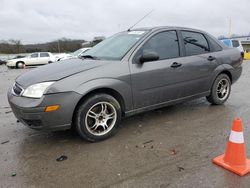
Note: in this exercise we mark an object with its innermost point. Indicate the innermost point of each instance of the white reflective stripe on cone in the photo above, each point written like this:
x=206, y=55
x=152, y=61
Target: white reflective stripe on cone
x=236, y=137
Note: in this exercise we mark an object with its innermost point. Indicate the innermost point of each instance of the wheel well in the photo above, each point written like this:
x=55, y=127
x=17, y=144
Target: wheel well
x=19, y=62
x=108, y=91
x=228, y=74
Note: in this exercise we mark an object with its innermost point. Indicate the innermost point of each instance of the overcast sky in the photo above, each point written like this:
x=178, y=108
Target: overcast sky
x=33, y=21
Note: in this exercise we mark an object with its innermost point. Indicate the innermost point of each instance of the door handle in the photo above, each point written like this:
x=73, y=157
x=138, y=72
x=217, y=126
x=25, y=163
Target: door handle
x=175, y=65
x=211, y=58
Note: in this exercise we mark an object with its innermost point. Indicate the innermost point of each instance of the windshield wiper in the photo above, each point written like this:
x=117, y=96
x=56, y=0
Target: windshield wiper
x=89, y=57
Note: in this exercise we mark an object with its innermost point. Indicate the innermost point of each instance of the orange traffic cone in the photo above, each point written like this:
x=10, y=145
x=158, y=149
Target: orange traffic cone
x=234, y=159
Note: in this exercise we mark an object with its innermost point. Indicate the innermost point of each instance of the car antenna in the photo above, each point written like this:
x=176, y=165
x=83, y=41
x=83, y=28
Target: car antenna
x=140, y=20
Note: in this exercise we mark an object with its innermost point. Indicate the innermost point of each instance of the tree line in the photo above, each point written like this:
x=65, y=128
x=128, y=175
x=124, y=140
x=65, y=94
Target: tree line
x=59, y=46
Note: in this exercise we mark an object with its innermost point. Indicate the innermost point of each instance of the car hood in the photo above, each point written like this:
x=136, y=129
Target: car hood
x=17, y=59
x=57, y=71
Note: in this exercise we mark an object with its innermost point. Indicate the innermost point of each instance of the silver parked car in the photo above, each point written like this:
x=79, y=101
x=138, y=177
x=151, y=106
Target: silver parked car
x=130, y=72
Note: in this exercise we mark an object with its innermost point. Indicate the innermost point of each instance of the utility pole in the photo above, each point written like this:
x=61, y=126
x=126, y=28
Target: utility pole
x=58, y=46
x=230, y=28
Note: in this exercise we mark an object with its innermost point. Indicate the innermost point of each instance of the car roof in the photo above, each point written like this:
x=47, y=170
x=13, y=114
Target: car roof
x=167, y=27
x=40, y=52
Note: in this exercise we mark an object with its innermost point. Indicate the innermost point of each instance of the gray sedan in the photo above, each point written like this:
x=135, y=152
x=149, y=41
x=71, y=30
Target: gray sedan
x=128, y=73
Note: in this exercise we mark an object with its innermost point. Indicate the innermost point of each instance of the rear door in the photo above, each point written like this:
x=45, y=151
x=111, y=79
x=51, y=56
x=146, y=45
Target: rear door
x=44, y=58
x=197, y=65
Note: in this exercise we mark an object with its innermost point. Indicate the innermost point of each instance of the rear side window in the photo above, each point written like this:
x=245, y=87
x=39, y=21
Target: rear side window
x=235, y=43
x=44, y=54
x=195, y=43
x=35, y=55
x=165, y=44
x=214, y=46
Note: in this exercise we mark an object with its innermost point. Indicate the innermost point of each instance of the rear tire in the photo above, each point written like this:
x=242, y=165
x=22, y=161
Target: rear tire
x=220, y=90
x=98, y=117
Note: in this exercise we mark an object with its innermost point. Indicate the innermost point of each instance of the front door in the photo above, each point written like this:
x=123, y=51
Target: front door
x=33, y=59
x=155, y=81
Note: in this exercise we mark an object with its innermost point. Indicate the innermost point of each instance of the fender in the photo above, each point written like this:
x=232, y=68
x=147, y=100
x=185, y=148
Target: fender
x=235, y=72
x=120, y=86
x=221, y=68
x=228, y=68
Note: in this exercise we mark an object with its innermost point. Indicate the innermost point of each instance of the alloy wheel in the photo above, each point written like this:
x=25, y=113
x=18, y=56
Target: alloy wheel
x=101, y=118
x=223, y=89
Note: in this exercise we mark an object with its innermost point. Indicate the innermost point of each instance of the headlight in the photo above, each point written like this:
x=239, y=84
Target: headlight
x=36, y=90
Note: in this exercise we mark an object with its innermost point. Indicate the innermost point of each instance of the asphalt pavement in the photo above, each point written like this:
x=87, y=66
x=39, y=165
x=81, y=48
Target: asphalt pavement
x=168, y=147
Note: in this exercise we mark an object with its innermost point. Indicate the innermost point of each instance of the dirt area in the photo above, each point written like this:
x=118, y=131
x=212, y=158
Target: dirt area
x=169, y=147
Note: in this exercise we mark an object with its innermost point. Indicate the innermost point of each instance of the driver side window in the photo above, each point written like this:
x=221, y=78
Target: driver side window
x=165, y=44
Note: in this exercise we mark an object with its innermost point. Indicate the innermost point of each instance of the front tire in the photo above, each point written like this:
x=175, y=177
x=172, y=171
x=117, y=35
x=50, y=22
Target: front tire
x=98, y=117
x=220, y=90
x=20, y=65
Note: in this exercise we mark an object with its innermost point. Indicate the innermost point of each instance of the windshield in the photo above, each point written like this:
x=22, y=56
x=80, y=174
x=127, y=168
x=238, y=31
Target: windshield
x=77, y=52
x=115, y=47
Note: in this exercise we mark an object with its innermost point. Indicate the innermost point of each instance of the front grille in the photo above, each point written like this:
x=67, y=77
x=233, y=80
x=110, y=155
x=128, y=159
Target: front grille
x=17, y=90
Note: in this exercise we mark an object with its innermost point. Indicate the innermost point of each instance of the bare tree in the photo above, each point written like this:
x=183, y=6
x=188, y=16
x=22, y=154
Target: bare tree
x=17, y=44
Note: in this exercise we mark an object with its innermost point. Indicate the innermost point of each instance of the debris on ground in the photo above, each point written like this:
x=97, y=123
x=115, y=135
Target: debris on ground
x=5, y=142
x=173, y=152
x=62, y=158
x=147, y=142
x=144, y=144
x=7, y=112
x=13, y=174
x=180, y=168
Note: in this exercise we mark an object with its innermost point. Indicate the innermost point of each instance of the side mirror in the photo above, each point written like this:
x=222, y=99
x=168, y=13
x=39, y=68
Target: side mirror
x=148, y=56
